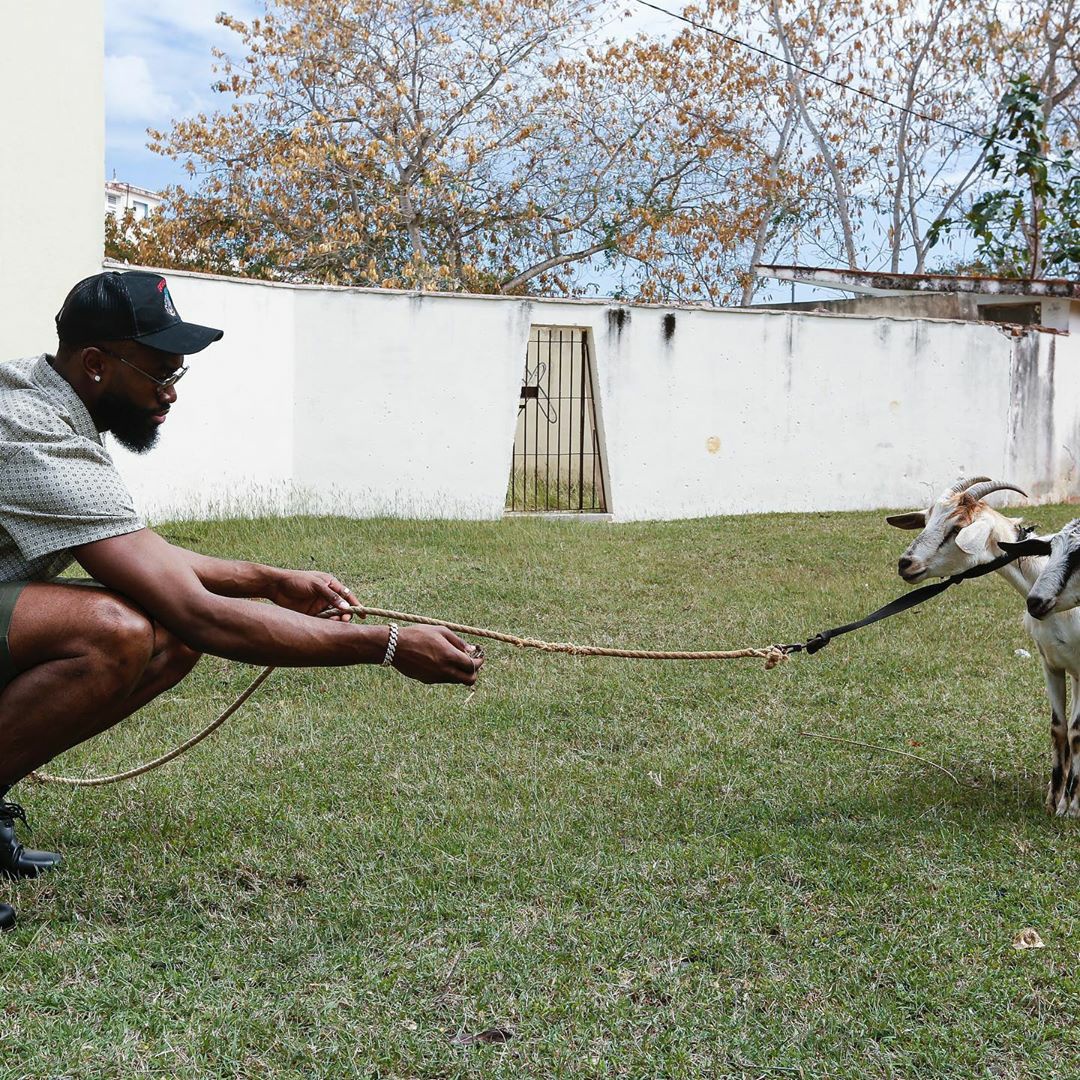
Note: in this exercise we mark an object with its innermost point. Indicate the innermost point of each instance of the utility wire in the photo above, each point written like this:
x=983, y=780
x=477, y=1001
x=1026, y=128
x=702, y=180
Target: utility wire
x=845, y=86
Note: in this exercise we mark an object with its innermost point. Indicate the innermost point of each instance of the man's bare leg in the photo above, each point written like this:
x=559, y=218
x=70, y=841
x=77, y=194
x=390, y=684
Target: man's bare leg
x=87, y=659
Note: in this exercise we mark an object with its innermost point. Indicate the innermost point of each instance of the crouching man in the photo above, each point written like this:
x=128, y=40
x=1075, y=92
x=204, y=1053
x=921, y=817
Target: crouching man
x=74, y=660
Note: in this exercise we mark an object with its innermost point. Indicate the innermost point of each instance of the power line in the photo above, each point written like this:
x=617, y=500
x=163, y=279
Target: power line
x=845, y=86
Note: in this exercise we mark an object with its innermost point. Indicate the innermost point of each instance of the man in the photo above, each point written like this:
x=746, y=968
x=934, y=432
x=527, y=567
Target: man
x=76, y=660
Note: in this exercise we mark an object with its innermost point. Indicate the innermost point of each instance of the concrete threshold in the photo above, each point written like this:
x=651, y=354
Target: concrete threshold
x=557, y=515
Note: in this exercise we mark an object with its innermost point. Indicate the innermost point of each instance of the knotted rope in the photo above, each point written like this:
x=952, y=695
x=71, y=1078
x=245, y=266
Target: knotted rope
x=773, y=655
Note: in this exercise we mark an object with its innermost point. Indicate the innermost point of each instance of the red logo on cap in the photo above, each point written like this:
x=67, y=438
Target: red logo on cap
x=161, y=285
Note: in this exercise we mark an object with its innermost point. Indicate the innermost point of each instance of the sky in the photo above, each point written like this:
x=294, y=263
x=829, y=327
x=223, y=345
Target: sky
x=158, y=67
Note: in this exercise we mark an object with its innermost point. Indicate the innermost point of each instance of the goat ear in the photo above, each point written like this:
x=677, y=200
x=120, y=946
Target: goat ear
x=971, y=539
x=914, y=520
x=1033, y=546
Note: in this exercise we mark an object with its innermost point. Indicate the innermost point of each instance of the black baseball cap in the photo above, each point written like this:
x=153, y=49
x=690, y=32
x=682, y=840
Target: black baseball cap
x=131, y=306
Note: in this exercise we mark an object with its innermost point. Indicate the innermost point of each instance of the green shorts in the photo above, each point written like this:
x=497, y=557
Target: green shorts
x=9, y=595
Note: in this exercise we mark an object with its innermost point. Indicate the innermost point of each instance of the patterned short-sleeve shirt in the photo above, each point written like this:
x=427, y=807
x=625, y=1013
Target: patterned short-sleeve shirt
x=59, y=487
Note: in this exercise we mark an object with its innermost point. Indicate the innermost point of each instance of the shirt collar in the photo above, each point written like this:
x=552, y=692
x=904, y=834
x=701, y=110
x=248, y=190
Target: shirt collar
x=58, y=386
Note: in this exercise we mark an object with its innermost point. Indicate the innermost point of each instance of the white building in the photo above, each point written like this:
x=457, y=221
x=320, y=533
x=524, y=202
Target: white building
x=121, y=197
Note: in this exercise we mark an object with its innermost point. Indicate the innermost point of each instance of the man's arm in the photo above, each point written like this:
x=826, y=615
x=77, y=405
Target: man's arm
x=228, y=577
x=164, y=581
x=307, y=591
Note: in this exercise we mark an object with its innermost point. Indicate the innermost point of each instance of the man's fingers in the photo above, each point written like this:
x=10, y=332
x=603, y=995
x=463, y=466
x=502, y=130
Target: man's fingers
x=472, y=662
x=473, y=672
x=339, y=597
x=334, y=596
x=343, y=590
x=458, y=643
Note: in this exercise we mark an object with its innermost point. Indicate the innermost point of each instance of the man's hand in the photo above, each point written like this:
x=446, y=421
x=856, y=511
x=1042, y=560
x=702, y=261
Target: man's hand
x=311, y=593
x=433, y=654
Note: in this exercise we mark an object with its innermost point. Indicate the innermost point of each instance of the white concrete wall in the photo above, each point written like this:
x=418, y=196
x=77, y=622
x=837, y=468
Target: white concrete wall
x=1044, y=419
x=406, y=405
x=52, y=165
x=372, y=402
x=747, y=411
x=227, y=445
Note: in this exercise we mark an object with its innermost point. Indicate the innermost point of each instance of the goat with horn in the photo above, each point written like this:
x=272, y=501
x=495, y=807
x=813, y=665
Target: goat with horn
x=961, y=531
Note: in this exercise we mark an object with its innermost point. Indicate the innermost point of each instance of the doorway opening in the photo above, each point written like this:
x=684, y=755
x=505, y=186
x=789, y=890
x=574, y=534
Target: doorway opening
x=557, y=464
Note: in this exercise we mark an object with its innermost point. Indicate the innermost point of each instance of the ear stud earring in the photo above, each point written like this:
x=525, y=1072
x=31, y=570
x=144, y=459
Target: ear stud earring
x=97, y=378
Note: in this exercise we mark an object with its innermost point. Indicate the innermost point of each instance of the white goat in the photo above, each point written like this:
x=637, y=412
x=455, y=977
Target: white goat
x=1057, y=588
x=959, y=532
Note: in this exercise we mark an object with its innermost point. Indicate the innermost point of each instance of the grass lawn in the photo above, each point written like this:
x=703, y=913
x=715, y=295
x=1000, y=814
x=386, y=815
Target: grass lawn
x=636, y=869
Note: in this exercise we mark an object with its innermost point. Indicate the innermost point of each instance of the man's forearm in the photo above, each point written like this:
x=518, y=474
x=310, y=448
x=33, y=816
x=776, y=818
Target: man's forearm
x=230, y=577
x=266, y=634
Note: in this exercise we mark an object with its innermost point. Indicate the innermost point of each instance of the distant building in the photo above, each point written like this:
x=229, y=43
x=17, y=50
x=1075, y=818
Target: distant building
x=120, y=197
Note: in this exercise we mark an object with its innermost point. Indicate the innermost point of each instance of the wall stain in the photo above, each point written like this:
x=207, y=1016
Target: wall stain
x=669, y=326
x=1031, y=415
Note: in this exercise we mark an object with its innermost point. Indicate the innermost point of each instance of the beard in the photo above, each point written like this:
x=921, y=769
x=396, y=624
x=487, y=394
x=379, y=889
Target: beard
x=132, y=427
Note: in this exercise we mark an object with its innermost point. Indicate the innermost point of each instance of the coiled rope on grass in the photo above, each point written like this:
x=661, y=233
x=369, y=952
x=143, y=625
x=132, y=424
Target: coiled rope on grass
x=772, y=655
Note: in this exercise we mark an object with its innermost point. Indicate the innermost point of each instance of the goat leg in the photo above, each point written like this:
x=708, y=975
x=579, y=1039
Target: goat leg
x=1072, y=784
x=1060, y=757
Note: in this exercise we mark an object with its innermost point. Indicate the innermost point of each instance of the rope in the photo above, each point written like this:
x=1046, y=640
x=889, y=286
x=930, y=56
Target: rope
x=175, y=752
x=773, y=655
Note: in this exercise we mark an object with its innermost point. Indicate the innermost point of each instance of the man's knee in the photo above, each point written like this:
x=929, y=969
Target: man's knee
x=120, y=641
x=174, y=657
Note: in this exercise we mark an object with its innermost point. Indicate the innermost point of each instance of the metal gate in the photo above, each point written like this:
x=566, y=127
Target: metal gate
x=557, y=462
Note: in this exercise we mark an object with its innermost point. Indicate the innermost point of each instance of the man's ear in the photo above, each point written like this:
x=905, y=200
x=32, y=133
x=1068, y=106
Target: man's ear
x=914, y=520
x=972, y=538
x=92, y=362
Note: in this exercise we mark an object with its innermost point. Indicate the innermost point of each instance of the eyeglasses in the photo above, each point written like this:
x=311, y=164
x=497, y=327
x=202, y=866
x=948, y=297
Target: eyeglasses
x=162, y=384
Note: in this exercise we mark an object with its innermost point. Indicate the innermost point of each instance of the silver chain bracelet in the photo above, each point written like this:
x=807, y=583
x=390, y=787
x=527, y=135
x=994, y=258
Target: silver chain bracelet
x=391, y=646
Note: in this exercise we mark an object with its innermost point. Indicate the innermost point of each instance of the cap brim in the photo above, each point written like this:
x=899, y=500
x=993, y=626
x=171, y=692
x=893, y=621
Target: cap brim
x=183, y=338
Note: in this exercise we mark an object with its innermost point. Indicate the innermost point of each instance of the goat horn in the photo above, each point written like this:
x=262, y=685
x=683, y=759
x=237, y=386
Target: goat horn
x=980, y=491
x=965, y=483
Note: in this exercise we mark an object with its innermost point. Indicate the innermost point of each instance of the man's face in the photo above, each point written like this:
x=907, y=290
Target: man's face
x=133, y=407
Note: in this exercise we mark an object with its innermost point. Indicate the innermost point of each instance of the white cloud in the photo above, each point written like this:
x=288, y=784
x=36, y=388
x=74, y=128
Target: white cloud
x=130, y=93
x=158, y=68
x=193, y=18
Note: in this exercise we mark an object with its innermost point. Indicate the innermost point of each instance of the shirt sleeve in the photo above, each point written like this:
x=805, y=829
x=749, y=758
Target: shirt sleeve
x=62, y=491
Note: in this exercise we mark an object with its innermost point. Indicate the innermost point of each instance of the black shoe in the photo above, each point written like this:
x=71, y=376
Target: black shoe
x=16, y=860
x=7, y=916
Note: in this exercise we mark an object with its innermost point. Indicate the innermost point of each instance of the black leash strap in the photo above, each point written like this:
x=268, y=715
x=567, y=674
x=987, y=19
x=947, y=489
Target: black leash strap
x=901, y=603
